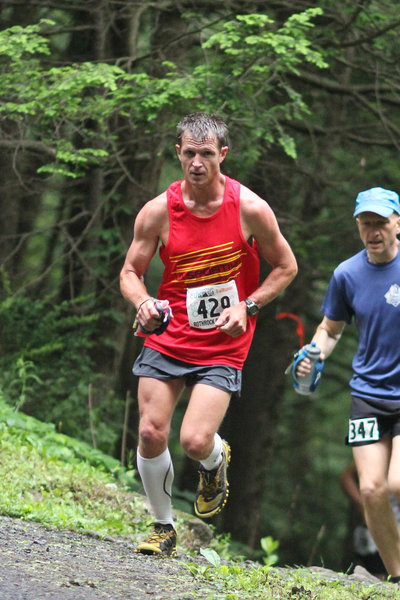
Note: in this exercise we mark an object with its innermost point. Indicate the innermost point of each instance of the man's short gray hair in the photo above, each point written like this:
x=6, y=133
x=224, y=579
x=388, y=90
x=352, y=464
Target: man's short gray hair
x=201, y=125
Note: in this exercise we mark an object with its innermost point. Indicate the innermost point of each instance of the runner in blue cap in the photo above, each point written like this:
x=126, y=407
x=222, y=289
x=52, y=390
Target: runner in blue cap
x=377, y=200
x=366, y=287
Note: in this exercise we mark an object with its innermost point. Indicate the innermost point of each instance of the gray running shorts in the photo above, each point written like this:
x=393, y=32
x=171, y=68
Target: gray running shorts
x=151, y=363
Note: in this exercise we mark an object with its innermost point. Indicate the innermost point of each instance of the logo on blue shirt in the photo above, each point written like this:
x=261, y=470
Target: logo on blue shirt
x=393, y=295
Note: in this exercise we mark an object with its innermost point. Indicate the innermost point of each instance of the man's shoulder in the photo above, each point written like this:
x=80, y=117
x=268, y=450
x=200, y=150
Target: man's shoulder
x=245, y=192
x=162, y=198
x=351, y=263
x=157, y=202
x=250, y=202
x=155, y=209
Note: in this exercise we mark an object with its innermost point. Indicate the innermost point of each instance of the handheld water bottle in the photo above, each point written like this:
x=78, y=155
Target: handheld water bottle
x=308, y=384
x=165, y=312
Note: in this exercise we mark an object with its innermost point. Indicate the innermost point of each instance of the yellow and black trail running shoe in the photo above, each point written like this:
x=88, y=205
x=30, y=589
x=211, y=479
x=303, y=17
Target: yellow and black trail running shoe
x=161, y=542
x=213, y=489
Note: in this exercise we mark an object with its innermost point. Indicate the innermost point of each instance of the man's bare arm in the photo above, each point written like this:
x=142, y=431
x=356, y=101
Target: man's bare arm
x=327, y=335
x=151, y=227
x=258, y=221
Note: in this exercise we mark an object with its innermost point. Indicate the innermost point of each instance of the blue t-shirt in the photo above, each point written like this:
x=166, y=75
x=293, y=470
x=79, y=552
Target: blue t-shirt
x=371, y=293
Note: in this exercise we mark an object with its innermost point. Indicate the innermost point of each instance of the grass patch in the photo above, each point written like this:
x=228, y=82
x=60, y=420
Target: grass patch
x=235, y=582
x=61, y=482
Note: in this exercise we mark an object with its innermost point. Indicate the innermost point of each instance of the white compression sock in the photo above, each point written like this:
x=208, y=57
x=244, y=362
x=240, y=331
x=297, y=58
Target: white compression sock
x=214, y=460
x=157, y=475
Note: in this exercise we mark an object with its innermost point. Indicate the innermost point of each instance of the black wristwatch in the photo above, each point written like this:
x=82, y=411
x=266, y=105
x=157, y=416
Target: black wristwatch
x=251, y=307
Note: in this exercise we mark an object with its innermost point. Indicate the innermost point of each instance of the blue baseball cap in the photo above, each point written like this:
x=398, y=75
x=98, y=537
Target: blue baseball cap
x=377, y=200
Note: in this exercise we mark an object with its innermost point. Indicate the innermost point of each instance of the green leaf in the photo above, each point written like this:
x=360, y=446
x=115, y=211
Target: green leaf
x=212, y=556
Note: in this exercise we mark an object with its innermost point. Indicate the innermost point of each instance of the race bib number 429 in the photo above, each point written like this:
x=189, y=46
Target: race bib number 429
x=204, y=304
x=363, y=430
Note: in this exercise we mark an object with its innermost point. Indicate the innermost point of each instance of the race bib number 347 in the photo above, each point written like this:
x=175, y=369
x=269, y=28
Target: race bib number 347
x=363, y=430
x=204, y=304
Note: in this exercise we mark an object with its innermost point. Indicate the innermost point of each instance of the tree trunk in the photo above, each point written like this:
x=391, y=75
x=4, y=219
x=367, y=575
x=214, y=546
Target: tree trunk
x=250, y=428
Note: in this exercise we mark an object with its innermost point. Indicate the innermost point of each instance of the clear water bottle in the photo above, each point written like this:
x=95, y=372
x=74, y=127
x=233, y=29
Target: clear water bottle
x=306, y=385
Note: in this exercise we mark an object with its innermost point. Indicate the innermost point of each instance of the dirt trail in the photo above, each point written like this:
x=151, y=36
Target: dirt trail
x=37, y=563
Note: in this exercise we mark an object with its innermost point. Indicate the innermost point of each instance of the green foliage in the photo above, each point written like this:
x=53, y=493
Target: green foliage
x=258, y=35
x=25, y=375
x=55, y=102
x=69, y=107
x=269, y=545
x=241, y=582
x=255, y=61
x=46, y=366
x=212, y=556
x=54, y=479
x=18, y=43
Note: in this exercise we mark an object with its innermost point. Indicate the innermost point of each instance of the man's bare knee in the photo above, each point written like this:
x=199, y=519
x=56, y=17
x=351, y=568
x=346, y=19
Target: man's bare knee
x=197, y=445
x=152, y=435
x=374, y=493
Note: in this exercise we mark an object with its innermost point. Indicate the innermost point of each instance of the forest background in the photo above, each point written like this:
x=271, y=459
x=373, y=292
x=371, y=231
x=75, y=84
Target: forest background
x=90, y=94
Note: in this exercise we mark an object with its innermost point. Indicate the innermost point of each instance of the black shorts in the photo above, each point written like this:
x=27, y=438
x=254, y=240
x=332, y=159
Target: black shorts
x=151, y=363
x=372, y=420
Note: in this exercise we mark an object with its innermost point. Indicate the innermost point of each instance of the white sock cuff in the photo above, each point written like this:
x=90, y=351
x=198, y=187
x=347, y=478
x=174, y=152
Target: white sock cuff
x=214, y=460
x=164, y=456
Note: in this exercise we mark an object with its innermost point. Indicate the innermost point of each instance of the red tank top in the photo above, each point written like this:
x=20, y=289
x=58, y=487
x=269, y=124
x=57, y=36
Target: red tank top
x=208, y=266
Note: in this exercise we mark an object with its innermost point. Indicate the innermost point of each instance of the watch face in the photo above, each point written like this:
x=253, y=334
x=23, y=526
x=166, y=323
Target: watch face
x=252, y=308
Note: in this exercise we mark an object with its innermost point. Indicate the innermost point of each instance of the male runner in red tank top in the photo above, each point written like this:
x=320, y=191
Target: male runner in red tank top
x=212, y=231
